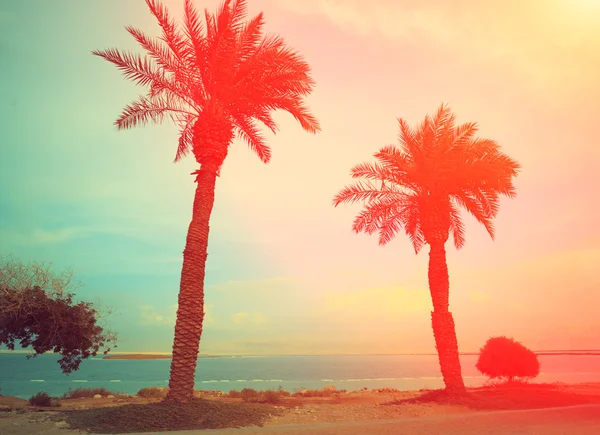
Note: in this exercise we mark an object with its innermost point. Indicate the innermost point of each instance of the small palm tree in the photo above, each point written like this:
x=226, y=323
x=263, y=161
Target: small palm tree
x=215, y=82
x=419, y=188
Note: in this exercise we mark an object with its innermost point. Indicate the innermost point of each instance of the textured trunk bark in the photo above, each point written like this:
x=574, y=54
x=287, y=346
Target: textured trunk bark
x=190, y=314
x=442, y=321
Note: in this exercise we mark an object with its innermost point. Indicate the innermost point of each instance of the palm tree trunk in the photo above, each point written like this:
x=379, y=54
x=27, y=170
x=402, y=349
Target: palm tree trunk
x=190, y=313
x=442, y=321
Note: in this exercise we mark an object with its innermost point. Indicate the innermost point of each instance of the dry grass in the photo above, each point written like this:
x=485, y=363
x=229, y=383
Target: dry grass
x=324, y=392
x=162, y=416
x=278, y=396
x=43, y=399
x=87, y=393
x=152, y=393
x=268, y=396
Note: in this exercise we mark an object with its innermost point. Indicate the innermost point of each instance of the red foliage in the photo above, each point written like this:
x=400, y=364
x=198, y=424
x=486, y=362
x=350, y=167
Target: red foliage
x=503, y=357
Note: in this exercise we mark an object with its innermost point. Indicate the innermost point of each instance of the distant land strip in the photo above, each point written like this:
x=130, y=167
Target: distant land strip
x=146, y=356
x=157, y=356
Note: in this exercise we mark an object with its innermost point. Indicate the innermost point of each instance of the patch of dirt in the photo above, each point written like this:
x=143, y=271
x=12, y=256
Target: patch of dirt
x=19, y=418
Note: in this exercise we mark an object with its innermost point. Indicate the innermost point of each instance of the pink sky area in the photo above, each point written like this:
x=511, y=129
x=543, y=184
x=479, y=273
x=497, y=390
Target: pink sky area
x=526, y=71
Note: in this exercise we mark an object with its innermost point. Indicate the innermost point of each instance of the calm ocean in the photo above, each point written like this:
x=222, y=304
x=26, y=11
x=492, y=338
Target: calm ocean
x=22, y=378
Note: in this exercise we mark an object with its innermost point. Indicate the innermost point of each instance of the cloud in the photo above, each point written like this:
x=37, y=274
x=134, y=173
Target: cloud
x=209, y=320
x=151, y=317
x=40, y=236
x=536, y=36
x=243, y=318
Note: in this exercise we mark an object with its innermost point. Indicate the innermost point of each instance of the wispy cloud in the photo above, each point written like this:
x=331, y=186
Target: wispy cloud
x=528, y=34
x=40, y=236
x=150, y=316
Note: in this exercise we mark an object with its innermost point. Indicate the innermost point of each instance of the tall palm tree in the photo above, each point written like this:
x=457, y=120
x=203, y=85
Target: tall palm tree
x=215, y=80
x=419, y=188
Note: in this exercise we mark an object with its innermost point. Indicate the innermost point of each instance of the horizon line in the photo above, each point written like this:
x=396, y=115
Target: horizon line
x=23, y=351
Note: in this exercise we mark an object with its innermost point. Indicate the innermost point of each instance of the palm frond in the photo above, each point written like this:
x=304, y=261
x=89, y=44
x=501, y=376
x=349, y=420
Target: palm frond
x=389, y=227
x=193, y=27
x=250, y=37
x=186, y=137
x=264, y=116
x=457, y=228
x=148, y=109
x=238, y=15
x=369, y=171
x=372, y=215
x=409, y=139
x=412, y=224
x=161, y=54
x=474, y=207
x=211, y=26
x=442, y=124
x=366, y=191
x=133, y=66
x=464, y=133
x=297, y=109
x=171, y=36
x=248, y=131
x=196, y=48
x=393, y=159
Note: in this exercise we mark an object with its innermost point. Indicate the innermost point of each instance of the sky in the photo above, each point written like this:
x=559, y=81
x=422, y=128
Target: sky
x=285, y=272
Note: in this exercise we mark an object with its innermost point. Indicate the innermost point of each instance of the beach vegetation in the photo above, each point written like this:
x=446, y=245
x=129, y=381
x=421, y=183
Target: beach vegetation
x=87, y=393
x=152, y=393
x=38, y=311
x=505, y=358
x=43, y=399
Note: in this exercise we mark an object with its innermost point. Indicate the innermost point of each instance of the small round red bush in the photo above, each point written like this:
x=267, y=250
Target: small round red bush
x=503, y=357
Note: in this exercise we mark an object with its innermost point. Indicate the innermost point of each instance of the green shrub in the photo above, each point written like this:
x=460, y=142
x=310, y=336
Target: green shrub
x=325, y=392
x=41, y=399
x=270, y=396
x=249, y=395
x=234, y=394
x=282, y=392
x=152, y=393
x=86, y=393
x=503, y=357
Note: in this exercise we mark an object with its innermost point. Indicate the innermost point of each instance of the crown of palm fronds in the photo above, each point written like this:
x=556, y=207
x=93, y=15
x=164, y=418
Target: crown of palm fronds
x=224, y=61
x=438, y=167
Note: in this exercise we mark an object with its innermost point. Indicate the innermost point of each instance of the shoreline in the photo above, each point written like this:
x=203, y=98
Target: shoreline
x=120, y=413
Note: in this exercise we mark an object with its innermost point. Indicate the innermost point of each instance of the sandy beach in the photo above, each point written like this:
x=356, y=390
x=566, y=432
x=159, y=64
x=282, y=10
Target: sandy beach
x=18, y=417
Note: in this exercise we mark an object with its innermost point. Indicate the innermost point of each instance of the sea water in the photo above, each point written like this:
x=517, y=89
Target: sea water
x=23, y=377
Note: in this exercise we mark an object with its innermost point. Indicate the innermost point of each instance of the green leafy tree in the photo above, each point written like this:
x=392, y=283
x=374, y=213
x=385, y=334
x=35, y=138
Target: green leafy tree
x=503, y=357
x=216, y=80
x=419, y=188
x=37, y=311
